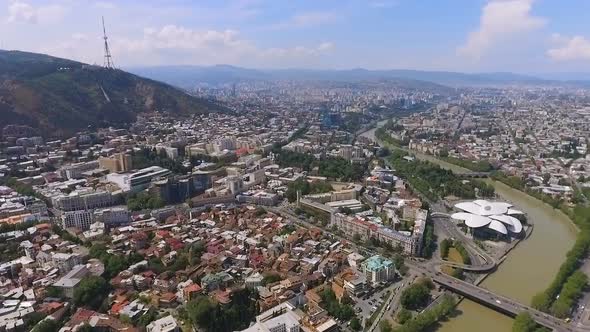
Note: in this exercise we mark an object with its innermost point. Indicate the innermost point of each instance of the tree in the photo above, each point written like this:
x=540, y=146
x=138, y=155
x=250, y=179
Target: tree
x=416, y=296
x=355, y=324
x=403, y=315
x=356, y=237
x=52, y=291
x=524, y=323
x=445, y=245
x=86, y=328
x=385, y=326
x=47, y=325
x=125, y=319
x=90, y=292
x=209, y=316
x=144, y=201
x=147, y=318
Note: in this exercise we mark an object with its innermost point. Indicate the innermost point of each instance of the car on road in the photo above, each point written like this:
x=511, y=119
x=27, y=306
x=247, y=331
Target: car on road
x=498, y=301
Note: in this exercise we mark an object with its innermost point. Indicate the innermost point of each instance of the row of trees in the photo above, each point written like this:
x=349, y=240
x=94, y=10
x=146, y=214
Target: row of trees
x=430, y=179
x=463, y=252
x=570, y=293
x=476, y=166
x=429, y=240
x=574, y=258
x=550, y=300
x=429, y=317
x=382, y=135
x=335, y=308
x=524, y=322
x=417, y=295
x=518, y=183
x=568, y=282
x=447, y=244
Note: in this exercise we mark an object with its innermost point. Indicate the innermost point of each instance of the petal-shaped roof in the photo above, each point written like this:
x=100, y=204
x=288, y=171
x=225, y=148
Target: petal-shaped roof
x=494, y=215
x=498, y=226
x=511, y=223
x=469, y=207
x=472, y=220
x=483, y=207
x=514, y=211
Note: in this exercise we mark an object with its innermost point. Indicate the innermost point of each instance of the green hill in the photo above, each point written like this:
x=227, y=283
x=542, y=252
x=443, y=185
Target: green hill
x=60, y=96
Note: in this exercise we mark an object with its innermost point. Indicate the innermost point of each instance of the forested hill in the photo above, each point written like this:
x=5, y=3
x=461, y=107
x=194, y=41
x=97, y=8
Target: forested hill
x=60, y=96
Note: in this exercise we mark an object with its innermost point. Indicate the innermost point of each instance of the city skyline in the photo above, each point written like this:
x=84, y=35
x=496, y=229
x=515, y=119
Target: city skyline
x=523, y=36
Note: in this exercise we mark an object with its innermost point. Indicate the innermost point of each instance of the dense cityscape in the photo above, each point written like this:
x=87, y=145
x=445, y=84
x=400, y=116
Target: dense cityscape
x=173, y=187
x=317, y=212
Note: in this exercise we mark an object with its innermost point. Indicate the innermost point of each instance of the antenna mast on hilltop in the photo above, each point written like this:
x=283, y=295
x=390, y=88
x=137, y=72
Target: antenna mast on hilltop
x=108, y=59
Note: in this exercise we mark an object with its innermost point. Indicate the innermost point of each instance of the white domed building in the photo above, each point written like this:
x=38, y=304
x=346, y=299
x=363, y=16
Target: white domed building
x=489, y=219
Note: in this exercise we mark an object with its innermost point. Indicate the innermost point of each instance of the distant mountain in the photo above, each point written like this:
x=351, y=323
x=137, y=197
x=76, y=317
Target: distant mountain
x=189, y=76
x=566, y=76
x=60, y=96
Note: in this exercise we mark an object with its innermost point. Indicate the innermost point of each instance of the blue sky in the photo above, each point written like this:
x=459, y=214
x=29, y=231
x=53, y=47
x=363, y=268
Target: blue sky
x=526, y=36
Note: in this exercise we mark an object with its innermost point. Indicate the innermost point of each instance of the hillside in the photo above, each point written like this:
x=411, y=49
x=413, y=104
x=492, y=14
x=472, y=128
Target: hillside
x=60, y=96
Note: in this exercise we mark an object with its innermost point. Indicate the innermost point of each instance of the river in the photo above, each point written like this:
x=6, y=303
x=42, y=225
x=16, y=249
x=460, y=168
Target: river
x=529, y=268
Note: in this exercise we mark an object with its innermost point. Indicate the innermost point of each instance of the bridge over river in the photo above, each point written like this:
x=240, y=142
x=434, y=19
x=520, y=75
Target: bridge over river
x=499, y=303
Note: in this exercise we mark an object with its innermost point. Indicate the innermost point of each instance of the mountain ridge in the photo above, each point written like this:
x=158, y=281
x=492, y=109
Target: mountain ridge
x=188, y=76
x=60, y=96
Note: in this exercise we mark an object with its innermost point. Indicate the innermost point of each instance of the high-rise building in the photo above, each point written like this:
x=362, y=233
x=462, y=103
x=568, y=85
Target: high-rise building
x=116, y=163
x=346, y=152
x=81, y=219
x=378, y=269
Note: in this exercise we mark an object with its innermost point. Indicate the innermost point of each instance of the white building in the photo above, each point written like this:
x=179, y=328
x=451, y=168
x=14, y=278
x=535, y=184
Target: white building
x=484, y=216
x=70, y=281
x=81, y=219
x=166, y=324
x=139, y=180
x=378, y=269
x=281, y=318
x=83, y=200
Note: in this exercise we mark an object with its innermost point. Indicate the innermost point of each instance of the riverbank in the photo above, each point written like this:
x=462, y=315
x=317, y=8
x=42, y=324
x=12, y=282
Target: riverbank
x=530, y=267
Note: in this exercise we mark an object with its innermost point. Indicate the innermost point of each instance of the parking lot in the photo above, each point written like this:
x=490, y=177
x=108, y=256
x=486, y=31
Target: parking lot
x=368, y=303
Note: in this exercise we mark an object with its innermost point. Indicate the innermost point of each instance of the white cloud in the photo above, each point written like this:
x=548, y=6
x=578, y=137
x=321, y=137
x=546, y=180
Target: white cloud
x=500, y=20
x=23, y=12
x=186, y=46
x=569, y=48
x=308, y=19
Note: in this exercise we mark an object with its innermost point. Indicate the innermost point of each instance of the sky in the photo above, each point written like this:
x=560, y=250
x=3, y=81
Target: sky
x=524, y=36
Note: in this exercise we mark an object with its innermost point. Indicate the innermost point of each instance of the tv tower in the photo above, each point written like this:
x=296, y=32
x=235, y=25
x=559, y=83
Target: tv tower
x=108, y=59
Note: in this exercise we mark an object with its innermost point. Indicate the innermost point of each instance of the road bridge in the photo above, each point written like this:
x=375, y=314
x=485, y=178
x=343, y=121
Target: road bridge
x=499, y=303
